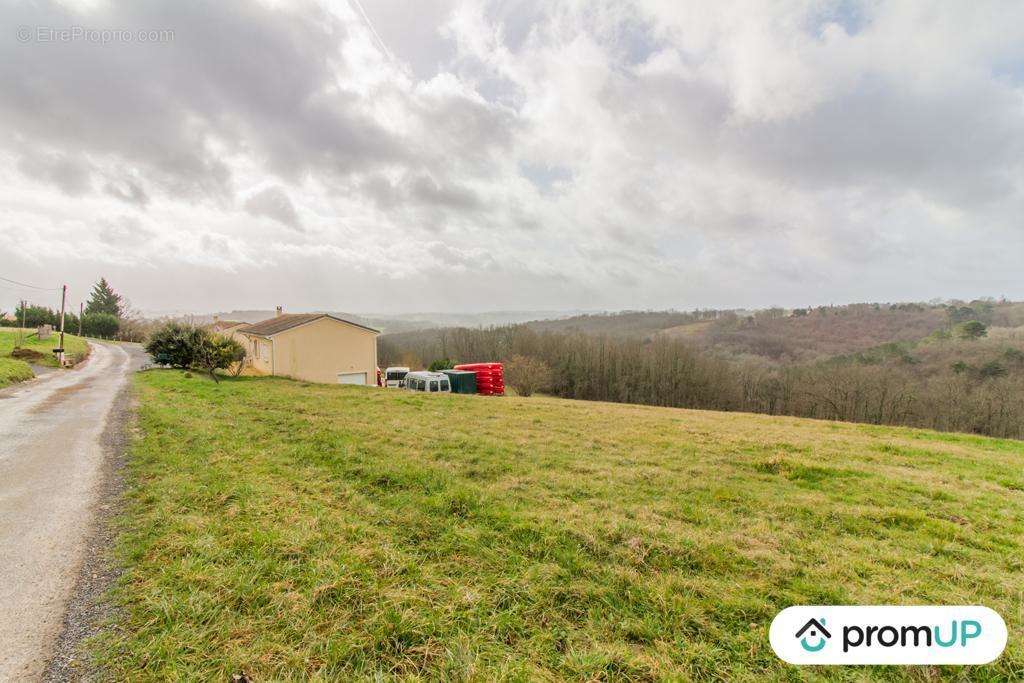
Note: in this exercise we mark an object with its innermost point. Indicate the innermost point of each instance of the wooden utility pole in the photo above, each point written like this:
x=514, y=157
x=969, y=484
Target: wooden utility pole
x=80, y=305
x=63, y=298
x=21, y=334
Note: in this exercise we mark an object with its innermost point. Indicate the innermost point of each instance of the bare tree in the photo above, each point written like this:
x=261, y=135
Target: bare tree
x=527, y=375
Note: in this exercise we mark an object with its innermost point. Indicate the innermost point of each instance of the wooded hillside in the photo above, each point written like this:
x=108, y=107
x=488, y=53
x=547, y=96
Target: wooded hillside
x=933, y=370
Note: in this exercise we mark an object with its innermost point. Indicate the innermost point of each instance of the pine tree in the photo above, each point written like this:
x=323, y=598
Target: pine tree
x=105, y=300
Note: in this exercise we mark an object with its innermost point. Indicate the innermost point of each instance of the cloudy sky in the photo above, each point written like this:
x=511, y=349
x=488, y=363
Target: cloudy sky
x=396, y=156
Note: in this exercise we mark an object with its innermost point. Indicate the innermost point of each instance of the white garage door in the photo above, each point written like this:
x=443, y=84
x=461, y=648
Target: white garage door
x=352, y=378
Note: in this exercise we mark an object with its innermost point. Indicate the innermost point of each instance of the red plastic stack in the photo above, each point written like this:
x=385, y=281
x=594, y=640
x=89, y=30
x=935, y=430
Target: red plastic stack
x=490, y=377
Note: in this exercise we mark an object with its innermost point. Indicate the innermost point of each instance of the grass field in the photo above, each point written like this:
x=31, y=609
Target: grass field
x=75, y=348
x=291, y=531
x=13, y=370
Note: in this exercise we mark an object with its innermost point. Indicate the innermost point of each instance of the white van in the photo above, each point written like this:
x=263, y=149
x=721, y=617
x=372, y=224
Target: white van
x=428, y=381
x=394, y=377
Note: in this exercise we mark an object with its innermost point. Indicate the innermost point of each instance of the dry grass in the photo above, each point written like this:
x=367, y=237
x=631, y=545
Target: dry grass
x=291, y=531
x=688, y=331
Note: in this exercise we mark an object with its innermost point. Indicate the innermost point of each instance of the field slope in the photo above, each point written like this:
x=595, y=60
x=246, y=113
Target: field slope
x=76, y=348
x=290, y=531
x=14, y=370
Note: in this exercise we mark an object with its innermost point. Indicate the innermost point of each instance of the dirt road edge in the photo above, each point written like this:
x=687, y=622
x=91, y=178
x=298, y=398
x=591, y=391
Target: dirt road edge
x=88, y=607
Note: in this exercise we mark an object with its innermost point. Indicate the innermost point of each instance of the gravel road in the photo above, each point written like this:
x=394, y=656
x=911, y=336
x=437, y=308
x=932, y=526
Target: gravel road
x=53, y=455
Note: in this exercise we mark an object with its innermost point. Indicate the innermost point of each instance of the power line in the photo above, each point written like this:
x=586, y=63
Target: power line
x=23, y=284
x=23, y=290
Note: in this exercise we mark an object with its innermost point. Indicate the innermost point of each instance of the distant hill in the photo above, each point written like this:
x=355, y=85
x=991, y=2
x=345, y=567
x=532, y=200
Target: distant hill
x=805, y=335
x=795, y=335
x=623, y=323
x=912, y=364
x=401, y=322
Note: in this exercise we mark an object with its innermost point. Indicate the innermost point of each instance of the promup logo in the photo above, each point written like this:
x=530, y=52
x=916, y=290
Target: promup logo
x=817, y=630
x=888, y=635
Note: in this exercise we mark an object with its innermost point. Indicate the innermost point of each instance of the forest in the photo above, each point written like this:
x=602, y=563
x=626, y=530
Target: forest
x=953, y=366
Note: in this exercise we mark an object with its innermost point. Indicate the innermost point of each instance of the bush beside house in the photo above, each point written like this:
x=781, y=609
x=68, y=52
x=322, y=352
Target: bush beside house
x=186, y=346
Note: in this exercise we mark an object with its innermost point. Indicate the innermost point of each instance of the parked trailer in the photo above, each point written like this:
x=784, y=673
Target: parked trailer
x=428, y=381
x=463, y=381
x=490, y=377
x=394, y=377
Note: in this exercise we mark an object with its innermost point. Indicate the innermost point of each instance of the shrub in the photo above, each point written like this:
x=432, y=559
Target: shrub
x=100, y=325
x=186, y=346
x=441, y=364
x=175, y=344
x=972, y=329
x=527, y=375
x=219, y=353
x=992, y=369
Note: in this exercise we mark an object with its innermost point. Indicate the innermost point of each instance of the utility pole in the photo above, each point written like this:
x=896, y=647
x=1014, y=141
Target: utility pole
x=21, y=333
x=60, y=352
x=80, y=305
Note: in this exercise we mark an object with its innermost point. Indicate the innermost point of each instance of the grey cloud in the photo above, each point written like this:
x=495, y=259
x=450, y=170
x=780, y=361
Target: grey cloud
x=254, y=77
x=215, y=244
x=420, y=190
x=461, y=258
x=69, y=173
x=464, y=134
x=428, y=191
x=125, y=231
x=127, y=191
x=380, y=191
x=275, y=204
x=881, y=135
x=522, y=218
x=599, y=154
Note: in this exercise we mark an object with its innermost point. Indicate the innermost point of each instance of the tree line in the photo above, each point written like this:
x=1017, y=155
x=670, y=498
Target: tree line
x=106, y=315
x=888, y=387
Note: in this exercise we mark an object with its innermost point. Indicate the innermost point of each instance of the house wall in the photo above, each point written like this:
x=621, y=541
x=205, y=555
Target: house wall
x=320, y=350
x=259, y=353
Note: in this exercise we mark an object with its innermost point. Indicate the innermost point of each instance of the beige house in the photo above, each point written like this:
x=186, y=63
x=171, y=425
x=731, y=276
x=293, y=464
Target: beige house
x=315, y=347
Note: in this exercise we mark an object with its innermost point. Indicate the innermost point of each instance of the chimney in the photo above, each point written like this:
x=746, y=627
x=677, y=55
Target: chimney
x=280, y=312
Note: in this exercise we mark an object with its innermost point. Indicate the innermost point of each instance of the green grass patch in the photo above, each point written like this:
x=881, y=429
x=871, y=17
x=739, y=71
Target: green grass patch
x=12, y=371
x=291, y=531
x=75, y=348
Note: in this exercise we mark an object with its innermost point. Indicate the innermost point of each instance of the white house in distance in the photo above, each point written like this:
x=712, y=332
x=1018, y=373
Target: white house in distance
x=315, y=347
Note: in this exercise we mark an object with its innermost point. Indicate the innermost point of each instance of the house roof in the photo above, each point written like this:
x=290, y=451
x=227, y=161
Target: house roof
x=277, y=324
x=226, y=324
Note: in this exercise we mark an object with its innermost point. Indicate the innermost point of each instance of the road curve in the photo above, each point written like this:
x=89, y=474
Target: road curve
x=50, y=466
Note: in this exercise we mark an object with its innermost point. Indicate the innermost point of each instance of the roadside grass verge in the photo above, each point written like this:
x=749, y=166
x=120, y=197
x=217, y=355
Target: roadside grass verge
x=12, y=371
x=290, y=531
x=75, y=348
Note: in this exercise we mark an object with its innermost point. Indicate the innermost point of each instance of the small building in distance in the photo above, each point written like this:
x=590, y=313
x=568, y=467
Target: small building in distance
x=315, y=347
x=227, y=328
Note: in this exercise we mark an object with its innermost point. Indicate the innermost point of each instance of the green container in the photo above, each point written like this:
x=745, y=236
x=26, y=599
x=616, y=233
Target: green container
x=463, y=381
